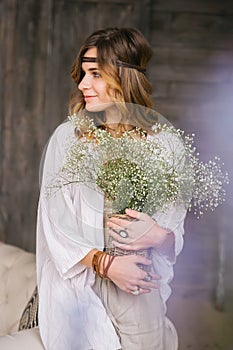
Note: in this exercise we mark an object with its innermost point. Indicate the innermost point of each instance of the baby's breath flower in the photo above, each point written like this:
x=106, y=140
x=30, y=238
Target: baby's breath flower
x=145, y=174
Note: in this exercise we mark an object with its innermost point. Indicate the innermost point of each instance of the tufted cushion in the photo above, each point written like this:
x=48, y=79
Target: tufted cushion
x=24, y=340
x=17, y=282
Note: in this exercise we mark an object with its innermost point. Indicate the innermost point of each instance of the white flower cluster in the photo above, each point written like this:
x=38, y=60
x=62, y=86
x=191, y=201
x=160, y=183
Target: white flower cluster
x=143, y=173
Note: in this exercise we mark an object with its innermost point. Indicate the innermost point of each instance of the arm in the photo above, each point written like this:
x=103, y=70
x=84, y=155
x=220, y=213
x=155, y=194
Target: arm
x=65, y=226
x=124, y=272
x=143, y=233
x=62, y=236
x=164, y=233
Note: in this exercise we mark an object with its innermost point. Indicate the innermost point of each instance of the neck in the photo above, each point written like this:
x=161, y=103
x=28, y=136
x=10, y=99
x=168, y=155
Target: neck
x=114, y=124
x=112, y=117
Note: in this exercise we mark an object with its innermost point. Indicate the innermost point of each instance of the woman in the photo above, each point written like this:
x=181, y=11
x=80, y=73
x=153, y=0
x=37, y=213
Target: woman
x=79, y=309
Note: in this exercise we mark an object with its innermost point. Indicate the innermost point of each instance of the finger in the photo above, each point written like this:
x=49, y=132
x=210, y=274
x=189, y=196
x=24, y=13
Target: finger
x=119, y=222
x=155, y=276
x=114, y=226
x=141, y=260
x=122, y=216
x=148, y=285
x=142, y=291
x=136, y=214
x=117, y=237
x=138, y=260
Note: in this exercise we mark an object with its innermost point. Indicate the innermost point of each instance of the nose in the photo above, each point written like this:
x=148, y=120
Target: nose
x=85, y=83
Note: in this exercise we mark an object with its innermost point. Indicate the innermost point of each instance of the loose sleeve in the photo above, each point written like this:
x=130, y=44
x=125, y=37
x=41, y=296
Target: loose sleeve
x=61, y=231
x=173, y=221
x=172, y=218
x=164, y=257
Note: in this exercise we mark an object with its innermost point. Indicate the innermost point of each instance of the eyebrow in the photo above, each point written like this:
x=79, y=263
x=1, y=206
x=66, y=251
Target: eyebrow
x=91, y=69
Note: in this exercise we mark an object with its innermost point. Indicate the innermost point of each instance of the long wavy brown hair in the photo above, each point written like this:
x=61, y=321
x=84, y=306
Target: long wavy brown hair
x=130, y=85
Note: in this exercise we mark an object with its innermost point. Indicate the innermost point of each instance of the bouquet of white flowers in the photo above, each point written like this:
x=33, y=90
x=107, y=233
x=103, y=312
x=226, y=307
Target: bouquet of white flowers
x=143, y=172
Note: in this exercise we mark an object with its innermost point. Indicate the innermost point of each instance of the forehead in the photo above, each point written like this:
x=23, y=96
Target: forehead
x=92, y=52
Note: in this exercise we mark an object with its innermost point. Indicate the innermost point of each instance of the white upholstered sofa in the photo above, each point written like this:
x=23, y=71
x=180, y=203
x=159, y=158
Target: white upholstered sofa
x=17, y=282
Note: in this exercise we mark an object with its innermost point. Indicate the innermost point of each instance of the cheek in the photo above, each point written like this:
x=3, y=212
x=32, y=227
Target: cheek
x=102, y=87
x=104, y=92
x=111, y=93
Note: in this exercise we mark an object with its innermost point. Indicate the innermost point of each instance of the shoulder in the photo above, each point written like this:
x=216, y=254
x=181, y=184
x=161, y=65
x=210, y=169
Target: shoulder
x=60, y=140
x=171, y=142
x=62, y=137
x=167, y=137
x=63, y=131
x=55, y=150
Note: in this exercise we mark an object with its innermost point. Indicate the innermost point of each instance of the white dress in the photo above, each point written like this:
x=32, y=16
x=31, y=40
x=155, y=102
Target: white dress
x=69, y=225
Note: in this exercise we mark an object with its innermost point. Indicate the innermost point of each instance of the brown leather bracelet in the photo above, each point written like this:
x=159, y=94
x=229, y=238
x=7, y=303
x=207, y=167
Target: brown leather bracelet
x=110, y=261
x=95, y=260
x=99, y=260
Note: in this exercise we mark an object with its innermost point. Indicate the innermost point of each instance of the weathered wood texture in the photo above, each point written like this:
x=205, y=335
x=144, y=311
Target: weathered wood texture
x=192, y=76
x=39, y=41
x=191, y=73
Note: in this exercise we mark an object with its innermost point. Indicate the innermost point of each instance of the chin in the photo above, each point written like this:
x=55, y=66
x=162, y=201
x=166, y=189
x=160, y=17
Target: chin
x=98, y=107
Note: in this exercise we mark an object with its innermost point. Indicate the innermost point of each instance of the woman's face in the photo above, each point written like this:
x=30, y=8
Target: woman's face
x=93, y=85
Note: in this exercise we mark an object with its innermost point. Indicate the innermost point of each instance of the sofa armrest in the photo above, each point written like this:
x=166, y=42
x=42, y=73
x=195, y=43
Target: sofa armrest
x=18, y=280
x=24, y=340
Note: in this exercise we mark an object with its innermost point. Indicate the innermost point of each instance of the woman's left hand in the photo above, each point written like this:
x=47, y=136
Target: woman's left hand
x=142, y=233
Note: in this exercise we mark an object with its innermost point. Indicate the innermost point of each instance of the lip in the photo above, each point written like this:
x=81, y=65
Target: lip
x=88, y=97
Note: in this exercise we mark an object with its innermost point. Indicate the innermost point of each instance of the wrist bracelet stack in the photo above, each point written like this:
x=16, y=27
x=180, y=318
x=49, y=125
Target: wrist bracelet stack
x=104, y=261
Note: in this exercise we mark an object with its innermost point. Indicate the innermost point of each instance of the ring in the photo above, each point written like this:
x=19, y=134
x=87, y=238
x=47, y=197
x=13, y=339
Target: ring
x=136, y=291
x=147, y=278
x=123, y=233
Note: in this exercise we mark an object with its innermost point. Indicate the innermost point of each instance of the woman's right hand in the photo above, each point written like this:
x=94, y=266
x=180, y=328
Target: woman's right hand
x=126, y=274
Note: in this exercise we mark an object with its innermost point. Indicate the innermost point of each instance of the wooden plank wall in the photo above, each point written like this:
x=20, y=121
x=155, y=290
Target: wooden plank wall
x=191, y=73
x=192, y=67
x=39, y=41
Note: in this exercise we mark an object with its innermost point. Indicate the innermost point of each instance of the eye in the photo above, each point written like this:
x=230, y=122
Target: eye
x=96, y=74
